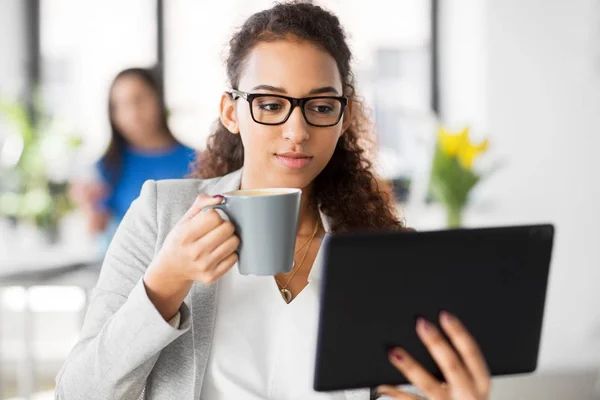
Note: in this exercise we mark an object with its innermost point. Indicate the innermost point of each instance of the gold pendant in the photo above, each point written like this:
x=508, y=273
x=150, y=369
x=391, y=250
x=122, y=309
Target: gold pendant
x=287, y=295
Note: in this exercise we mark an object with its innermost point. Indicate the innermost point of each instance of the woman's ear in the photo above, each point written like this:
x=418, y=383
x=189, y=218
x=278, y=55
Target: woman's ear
x=227, y=115
x=347, y=119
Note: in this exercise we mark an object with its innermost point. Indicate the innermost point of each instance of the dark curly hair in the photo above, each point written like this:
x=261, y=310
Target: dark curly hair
x=346, y=191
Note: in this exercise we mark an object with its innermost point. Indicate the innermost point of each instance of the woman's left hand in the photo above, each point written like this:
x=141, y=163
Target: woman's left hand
x=466, y=373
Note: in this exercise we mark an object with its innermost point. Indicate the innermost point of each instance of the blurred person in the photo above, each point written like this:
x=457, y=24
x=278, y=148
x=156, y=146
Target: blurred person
x=141, y=147
x=172, y=319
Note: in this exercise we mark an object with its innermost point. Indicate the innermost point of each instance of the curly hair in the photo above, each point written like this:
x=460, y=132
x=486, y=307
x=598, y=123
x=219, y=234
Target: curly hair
x=346, y=191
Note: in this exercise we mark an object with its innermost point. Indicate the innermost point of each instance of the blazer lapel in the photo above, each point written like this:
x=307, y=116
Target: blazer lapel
x=203, y=299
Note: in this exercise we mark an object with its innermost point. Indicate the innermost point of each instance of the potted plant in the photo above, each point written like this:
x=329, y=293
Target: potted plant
x=28, y=192
x=453, y=175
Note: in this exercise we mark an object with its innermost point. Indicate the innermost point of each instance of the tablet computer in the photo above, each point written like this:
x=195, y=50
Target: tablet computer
x=375, y=286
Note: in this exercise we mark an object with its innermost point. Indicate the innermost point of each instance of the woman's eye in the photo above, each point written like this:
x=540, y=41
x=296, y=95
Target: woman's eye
x=321, y=109
x=270, y=107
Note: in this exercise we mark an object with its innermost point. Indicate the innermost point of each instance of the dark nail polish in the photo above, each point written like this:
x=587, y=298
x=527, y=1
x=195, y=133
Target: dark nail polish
x=395, y=354
x=218, y=196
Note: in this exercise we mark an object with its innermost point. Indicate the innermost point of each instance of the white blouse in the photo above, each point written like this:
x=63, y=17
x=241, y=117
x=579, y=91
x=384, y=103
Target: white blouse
x=262, y=347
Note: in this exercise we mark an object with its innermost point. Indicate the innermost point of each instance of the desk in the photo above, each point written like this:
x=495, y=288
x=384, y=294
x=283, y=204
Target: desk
x=48, y=267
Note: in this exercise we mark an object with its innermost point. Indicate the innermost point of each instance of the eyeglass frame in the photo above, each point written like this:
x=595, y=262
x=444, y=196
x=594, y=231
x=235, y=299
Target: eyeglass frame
x=294, y=101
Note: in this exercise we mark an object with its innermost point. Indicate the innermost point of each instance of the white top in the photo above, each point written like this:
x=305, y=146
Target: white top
x=262, y=347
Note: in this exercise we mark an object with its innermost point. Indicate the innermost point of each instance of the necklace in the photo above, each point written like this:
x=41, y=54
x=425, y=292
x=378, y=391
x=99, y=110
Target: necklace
x=285, y=293
x=298, y=251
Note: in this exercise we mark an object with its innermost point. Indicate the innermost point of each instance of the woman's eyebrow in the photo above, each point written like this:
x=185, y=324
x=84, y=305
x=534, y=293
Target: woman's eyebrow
x=269, y=88
x=321, y=90
x=325, y=89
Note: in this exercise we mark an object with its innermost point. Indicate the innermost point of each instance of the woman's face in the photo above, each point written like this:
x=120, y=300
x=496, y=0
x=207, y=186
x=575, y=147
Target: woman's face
x=136, y=110
x=291, y=154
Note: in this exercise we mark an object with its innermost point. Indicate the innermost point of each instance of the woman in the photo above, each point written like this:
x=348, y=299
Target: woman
x=142, y=147
x=172, y=317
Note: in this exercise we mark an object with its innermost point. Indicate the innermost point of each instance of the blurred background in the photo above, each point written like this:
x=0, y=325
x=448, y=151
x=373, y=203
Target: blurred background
x=522, y=75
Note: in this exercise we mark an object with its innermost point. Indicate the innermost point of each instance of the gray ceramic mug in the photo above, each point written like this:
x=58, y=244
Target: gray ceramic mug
x=266, y=221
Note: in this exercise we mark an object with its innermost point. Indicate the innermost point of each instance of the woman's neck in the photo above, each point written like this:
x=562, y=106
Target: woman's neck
x=159, y=141
x=309, y=214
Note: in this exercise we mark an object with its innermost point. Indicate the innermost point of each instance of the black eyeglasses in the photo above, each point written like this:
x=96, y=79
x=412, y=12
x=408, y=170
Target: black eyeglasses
x=273, y=109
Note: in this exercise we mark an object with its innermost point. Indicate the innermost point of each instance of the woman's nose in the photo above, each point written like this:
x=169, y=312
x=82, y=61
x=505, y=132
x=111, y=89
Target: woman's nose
x=296, y=128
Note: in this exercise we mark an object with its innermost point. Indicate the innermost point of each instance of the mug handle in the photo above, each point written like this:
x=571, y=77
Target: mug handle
x=219, y=206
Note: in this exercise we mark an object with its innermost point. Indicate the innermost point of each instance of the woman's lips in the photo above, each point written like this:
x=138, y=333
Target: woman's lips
x=294, y=160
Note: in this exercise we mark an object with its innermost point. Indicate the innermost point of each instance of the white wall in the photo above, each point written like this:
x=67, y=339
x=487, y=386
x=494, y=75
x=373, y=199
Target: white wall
x=528, y=73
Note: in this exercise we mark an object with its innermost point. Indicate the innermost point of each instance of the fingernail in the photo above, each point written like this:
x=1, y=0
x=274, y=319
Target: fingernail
x=447, y=317
x=384, y=390
x=218, y=196
x=396, y=355
x=423, y=324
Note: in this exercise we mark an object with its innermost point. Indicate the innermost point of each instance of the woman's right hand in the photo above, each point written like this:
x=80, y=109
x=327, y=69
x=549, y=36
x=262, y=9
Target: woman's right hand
x=201, y=247
x=87, y=196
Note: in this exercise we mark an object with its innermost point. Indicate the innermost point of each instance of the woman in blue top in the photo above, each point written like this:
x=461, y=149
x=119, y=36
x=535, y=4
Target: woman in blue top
x=142, y=147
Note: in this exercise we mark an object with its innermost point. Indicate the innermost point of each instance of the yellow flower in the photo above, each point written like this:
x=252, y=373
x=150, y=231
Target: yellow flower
x=469, y=151
x=451, y=143
x=458, y=145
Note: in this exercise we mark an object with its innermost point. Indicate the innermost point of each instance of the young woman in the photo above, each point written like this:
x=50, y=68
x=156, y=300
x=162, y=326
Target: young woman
x=142, y=147
x=172, y=319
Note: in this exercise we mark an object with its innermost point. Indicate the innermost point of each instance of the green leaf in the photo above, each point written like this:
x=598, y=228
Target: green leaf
x=450, y=183
x=25, y=190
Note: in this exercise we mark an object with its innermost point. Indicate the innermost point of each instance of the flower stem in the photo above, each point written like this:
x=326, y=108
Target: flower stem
x=454, y=216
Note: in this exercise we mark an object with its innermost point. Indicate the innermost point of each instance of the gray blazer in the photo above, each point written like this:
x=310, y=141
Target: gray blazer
x=126, y=350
